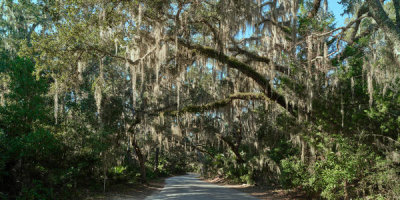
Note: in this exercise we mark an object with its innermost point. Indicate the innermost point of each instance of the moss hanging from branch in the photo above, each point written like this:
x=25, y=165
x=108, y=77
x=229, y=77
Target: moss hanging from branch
x=218, y=104
x=243, y=68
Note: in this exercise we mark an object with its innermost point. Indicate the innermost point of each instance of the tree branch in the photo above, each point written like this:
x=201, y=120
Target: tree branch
x=315, y=8
x=363, y=9
x=130, y=61
x=234, y=148
x=283, y=27
x=218, y=104
x=198, y=147
x=216, y=34
x=383, y=21
x=255, y=57
x=243, y=68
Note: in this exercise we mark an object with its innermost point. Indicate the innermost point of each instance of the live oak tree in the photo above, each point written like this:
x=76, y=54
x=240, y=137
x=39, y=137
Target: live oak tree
x=260, y=90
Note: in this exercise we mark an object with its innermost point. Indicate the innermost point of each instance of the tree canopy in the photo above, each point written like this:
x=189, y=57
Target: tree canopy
x=257, y=91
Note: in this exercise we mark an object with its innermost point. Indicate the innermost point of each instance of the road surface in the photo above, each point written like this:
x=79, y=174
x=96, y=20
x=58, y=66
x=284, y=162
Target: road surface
x=189, y=187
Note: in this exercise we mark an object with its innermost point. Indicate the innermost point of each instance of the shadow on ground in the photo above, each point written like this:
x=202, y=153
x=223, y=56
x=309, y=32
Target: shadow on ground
x=191, y=187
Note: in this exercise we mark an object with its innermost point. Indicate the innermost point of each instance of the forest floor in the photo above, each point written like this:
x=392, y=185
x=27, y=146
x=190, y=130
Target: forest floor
x=131, y=191
x=260, y=192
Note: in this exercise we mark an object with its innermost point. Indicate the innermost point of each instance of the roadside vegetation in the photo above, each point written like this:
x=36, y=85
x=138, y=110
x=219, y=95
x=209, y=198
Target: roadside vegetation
x=265, y=92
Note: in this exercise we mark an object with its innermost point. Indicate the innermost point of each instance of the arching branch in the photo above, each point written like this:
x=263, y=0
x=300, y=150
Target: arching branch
x=218, y=104
x=383, y=21
x=199, y=148
x=243, y=68
x=255, y=57
x=361, y=11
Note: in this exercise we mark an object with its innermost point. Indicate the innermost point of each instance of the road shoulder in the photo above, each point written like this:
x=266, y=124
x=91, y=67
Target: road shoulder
x=131, y=191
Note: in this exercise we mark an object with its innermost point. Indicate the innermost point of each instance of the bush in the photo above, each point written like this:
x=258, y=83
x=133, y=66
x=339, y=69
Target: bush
x=118, y=173
x=36, y=191
x=350, y=172
x=293, y=173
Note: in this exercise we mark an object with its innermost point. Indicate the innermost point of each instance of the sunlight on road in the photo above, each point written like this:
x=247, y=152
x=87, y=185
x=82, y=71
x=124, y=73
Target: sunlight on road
x=190, y=187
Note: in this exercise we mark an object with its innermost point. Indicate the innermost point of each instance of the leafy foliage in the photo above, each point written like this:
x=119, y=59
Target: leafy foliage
x=94, y=93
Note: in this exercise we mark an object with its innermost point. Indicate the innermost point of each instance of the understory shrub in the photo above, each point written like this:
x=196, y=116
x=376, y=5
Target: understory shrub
x=354, y=171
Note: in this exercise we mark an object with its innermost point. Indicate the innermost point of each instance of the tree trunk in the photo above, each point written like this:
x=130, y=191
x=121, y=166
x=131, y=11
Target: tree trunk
x=104, y=179
x=239, y=158
x=141, y=160
x=315, y=8
x=156, y=161
x=346, y=193
x=234, y=148
x=303, y=151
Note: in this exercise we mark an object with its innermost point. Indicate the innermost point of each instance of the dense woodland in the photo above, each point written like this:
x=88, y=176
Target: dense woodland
x=266, y=92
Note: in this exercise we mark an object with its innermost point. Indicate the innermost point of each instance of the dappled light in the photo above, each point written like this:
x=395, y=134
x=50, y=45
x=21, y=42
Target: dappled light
x=268, y=93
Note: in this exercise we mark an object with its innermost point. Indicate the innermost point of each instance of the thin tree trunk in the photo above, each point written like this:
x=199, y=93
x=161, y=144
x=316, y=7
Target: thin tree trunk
x=303, y=151
x=156, y=160
x=104, y=179
x=346, y=194
x=141, y=160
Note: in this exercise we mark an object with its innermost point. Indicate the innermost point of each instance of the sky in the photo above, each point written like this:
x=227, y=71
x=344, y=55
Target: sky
x=333, y=6
x=337, y=10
